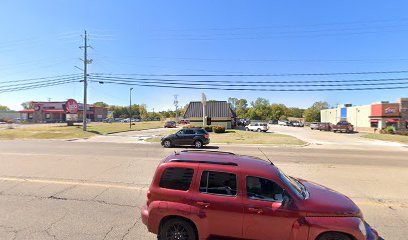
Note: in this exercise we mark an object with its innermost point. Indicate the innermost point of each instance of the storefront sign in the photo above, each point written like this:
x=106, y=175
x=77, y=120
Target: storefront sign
x=71, y=117
x=390, y=110
x=71, y=106
x=37, y=107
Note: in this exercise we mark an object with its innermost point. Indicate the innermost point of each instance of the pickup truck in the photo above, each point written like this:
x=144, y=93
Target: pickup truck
x=343, y=126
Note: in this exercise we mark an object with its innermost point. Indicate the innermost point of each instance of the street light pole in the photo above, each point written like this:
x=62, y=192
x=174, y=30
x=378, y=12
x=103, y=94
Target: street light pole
x=130, y=107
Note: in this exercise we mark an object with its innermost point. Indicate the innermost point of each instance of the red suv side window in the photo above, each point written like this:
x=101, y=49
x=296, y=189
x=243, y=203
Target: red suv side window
x=176, y=178
x=221, y=183
x=263, y=189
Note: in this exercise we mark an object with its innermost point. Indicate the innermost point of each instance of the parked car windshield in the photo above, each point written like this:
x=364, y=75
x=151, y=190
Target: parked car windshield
x=294, y=185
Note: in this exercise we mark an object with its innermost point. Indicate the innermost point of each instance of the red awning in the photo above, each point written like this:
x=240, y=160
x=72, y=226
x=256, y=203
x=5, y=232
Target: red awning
x=374, y=120
x=53, y=111
x=27, y=111
x=392, y=120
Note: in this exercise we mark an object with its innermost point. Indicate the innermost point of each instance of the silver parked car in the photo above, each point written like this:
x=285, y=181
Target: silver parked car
x=314, y=125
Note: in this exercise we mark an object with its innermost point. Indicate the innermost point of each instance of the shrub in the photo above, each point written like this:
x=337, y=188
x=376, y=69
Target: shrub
x=389, y=130
x=208, y=128
x=403, y=133
x=219, y=129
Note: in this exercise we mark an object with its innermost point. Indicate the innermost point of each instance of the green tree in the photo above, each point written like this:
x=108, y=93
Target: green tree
x=182, y=111
x=277, y=110
x=283, y=118
x=4, y=108
x=233, y=103
x=143, y=111
x=27, y=105
x=312, y=115
x=241, y=108
x=260, y=109
x=320, y=105
x=101, y=104
x=295, y=112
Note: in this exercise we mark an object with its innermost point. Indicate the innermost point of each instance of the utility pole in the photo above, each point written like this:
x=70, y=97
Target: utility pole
x=130, y=107
x=86, y=62
x=204, y=103
x=176, y=105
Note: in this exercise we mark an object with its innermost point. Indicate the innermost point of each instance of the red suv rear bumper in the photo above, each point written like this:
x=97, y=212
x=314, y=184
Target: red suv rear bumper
x=145, y=215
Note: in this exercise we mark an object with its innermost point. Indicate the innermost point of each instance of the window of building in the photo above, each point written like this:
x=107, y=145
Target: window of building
x=374, y=124
x=263, y=189
x=177, y=178
x=30, y=116
x=47, y=116
x=220, y=183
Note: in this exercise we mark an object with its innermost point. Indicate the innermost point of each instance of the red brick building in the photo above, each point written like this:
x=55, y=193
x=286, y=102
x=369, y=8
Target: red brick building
x=52, y=112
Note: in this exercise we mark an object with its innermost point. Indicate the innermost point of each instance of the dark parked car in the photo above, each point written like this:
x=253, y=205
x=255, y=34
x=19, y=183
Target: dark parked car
x=343, y=126
x=170, y=124
x=197, y=137
x=325, y=126
x=219, y=195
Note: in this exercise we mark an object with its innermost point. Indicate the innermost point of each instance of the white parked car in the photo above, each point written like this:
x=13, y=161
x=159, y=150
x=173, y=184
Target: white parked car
x=283, y=123
x=314, y=125
x=258, y=127
x=297, y=124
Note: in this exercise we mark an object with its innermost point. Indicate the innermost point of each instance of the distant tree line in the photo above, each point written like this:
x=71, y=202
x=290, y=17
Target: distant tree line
x=4, y=108
x=262, y=109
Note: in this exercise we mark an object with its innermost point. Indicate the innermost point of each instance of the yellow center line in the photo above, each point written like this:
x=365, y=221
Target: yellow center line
x=138, y=188
x=65, y=182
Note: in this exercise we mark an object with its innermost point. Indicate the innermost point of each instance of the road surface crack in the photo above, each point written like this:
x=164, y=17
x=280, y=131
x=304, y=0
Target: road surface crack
x=53, y=224
x=128, y=231
x=106, y=235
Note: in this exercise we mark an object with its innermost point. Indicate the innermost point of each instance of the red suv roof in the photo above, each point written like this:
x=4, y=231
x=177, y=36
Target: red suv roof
x=250, y=164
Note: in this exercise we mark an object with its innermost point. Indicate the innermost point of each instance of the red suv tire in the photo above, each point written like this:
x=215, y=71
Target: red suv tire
x=177, y=228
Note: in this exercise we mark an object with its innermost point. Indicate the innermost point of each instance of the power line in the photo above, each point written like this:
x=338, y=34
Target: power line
x=38, y=82
x=231, y=82
x=254, y=75
x=253, y=89
x=36, y=86
x=41, y=78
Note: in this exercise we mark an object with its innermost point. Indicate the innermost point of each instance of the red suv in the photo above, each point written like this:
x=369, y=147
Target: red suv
x=206, y=194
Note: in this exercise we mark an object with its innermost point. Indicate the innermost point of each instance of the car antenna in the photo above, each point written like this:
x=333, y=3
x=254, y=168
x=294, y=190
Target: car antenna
x=265, y=156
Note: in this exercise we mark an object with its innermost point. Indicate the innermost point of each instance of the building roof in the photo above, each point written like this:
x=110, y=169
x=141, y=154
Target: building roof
x=27, y=111
x=214, y=109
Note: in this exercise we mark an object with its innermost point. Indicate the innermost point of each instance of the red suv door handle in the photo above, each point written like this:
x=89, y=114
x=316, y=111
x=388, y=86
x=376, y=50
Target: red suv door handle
x=255, y=210
x=203, y=204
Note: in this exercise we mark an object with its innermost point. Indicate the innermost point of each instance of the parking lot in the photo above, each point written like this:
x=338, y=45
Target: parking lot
x=324, y=139
x=94, y=190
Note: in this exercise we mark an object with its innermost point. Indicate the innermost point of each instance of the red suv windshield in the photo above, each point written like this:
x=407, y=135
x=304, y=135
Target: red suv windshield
x=294, y=185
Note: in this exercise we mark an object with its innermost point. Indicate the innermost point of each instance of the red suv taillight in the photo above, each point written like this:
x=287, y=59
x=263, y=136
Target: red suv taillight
x=206, y=136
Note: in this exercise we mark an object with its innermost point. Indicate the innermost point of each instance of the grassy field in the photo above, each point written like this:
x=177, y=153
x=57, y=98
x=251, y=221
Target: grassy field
x=243, y=137
x=387, y=137
x=65, y=132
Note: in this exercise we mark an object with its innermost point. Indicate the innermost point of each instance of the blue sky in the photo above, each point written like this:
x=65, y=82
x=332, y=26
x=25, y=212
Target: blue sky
x=41, y=38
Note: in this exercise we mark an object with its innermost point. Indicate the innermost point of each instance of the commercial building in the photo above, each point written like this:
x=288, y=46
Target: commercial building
x=371, y=117
x=217, y=113
x=51, y=112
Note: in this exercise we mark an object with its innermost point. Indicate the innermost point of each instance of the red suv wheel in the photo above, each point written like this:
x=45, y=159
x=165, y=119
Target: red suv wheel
x=177, y=229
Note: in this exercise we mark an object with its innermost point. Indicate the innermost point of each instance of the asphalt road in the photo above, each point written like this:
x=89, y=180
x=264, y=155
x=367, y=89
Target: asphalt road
x=93, y=190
